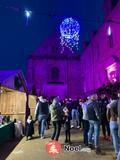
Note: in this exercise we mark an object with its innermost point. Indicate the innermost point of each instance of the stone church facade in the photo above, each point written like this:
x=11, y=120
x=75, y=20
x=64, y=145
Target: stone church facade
x=52, y=73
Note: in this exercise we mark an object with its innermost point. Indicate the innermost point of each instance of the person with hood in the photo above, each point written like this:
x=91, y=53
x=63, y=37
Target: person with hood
x=56, y=118
x=29, y=127
x=41, y=114
x=67, y=119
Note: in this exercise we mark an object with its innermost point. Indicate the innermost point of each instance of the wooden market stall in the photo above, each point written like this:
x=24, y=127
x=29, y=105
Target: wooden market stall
x=13, y=95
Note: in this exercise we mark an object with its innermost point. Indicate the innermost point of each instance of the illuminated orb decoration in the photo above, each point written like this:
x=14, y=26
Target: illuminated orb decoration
x=69, y=29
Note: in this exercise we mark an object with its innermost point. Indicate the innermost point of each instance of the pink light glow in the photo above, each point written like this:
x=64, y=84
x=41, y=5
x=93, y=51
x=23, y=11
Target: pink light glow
x=111, y=73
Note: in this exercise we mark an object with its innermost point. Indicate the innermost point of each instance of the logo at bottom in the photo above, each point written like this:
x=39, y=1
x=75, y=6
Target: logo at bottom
x=53, y=148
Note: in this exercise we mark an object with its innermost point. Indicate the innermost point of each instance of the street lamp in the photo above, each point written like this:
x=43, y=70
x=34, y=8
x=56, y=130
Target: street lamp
x=28, y=14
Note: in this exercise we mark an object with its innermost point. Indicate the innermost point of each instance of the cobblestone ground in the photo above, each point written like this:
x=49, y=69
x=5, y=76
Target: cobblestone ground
x=35, y=149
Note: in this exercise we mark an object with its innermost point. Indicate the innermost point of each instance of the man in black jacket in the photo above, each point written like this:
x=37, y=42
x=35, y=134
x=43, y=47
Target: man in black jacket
x=94, y=116
x=103, y=102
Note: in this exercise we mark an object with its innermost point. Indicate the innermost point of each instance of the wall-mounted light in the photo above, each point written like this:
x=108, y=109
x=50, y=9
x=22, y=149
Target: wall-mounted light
x=109, y=31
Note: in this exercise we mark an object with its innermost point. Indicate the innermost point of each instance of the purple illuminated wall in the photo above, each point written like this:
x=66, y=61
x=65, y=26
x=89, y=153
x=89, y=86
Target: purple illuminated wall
x=100, y=61
x=52, y=73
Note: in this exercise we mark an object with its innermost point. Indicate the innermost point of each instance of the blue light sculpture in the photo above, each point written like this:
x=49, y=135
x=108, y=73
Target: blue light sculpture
x=69, y=29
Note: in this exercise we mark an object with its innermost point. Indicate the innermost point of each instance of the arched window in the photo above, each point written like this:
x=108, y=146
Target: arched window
x=55, y=74
x=55, y=49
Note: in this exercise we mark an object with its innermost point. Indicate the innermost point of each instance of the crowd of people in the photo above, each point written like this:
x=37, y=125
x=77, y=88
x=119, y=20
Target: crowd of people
x=89, y=114
x=18, y=126
x=4, y=119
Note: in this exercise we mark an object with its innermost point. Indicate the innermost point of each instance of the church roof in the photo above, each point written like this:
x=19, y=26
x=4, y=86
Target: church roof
x=5, y=74
x=52, y=48
x=7, y=79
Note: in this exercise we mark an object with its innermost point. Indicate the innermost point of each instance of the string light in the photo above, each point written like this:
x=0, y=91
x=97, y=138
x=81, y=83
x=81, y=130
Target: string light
x=69, y=29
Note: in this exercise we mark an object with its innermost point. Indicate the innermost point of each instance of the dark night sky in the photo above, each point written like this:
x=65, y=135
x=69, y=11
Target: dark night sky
x=18, y=41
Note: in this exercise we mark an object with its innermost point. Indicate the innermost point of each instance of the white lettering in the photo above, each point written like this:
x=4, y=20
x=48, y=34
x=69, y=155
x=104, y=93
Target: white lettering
x=68, y=148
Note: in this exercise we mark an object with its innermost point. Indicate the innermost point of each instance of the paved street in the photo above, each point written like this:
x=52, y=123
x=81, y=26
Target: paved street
x=35, y=149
